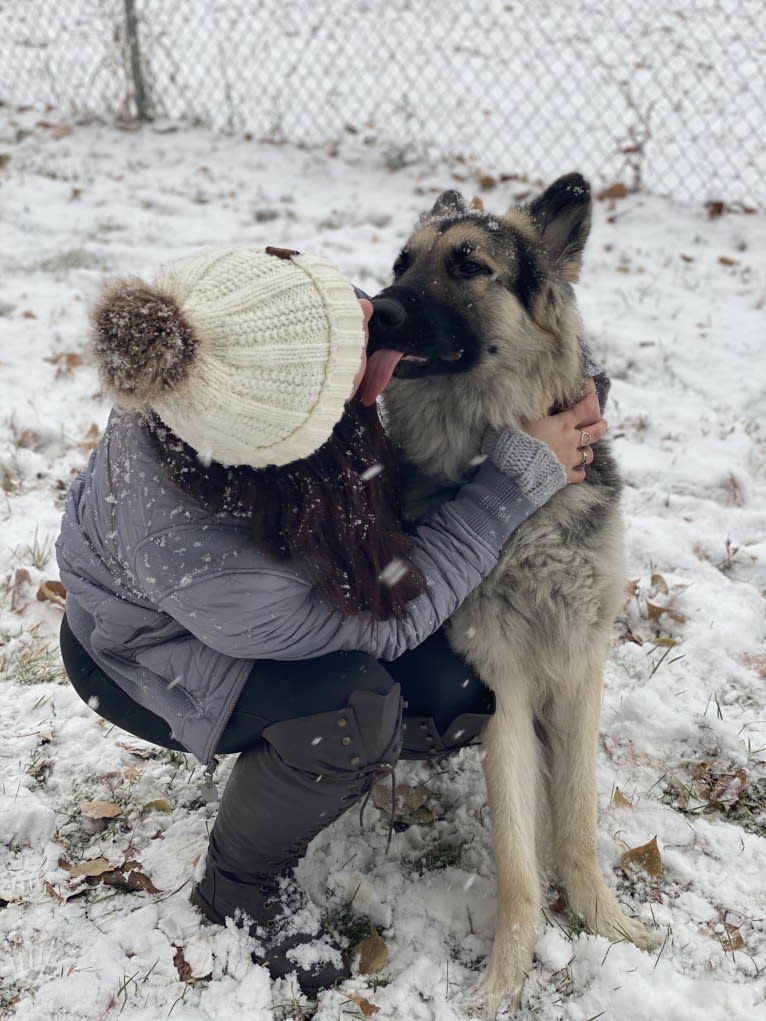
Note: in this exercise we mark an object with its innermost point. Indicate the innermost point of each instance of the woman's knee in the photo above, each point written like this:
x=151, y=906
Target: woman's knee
x=363, y=734
x=286, y=689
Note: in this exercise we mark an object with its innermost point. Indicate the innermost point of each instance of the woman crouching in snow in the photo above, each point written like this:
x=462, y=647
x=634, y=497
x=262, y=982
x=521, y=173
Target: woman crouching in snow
x=225, y=556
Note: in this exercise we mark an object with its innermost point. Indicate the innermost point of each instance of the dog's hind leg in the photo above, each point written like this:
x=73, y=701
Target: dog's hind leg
x=572, y=735
x=512, y=771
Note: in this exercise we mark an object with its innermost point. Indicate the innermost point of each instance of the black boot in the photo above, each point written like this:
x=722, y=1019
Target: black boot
x=299, y=778
x=282, y=920
x=422, y=740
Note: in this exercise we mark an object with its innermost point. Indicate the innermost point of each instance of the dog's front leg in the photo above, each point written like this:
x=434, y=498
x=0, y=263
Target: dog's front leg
x=572, y=730
x=512, y=771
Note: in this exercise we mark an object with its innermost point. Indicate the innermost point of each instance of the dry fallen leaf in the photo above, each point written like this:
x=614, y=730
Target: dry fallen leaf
x=59, y=129
x=22, y=579
x=91, y=438
x=728, y=789
x=486, y=182
x=96, y=867
x=160, y=805
x=372, y=952
x=100, y=809
x=52, y=892
x=412, y=806
x=715, y=209
x=367, y=1008
x=128, y=877
x=28, y=439
x=65, y=361
x=647, y=858
x=730, y=938
x=756, y=662
x=658, y=582
x=140, y=753
x=619, y=800
x=182, y=965
x=52, y=591
x=99, y=870
x=655, y=612
x=618, y=190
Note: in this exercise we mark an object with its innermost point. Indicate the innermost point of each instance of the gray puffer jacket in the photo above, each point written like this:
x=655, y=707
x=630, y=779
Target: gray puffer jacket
x=175, y=603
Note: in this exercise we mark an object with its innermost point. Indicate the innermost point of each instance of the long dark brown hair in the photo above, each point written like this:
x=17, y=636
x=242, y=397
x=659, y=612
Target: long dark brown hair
x=336, y=511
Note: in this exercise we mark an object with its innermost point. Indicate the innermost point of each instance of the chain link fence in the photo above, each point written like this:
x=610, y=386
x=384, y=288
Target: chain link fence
x=667, y=97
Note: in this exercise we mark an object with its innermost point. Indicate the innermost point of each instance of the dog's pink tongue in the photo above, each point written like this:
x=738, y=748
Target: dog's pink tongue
x=380, y=369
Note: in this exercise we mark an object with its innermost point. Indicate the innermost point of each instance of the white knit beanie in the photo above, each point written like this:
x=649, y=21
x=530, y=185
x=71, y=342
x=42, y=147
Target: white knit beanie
x=247, y=354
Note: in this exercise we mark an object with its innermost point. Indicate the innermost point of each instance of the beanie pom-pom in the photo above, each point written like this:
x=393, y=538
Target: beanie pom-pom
x=143, y=343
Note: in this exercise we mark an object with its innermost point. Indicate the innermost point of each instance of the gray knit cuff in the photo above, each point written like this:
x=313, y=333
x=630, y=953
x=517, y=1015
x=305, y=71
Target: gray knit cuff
x=530, y=462
x=592, y=370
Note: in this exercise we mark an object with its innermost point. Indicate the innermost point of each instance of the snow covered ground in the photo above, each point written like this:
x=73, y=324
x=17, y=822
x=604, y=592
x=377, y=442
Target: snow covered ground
x=674, y=304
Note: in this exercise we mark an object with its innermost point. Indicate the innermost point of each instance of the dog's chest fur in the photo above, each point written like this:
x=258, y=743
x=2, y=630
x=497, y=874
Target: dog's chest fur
x=558, y=583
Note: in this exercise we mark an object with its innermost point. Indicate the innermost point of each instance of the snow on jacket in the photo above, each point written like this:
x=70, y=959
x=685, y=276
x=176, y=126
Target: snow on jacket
x=175, y=602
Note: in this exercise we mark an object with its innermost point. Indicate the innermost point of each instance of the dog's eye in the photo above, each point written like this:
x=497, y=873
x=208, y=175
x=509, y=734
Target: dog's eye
x=402, y=263
x=470, y=268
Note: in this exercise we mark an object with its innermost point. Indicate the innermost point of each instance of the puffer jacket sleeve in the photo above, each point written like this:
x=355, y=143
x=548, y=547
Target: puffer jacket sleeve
x=247, y=606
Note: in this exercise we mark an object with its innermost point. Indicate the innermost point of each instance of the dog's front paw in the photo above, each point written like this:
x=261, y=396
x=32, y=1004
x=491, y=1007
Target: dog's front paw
x=486, y=998
x=645, y=939
x=622, y=929
x=603, y=914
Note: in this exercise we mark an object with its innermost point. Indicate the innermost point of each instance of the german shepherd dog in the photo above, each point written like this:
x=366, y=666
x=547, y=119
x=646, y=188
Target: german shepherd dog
x=480, y=329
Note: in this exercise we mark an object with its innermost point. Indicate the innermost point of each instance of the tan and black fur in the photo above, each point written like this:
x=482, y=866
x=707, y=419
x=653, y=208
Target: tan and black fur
x=485, y=310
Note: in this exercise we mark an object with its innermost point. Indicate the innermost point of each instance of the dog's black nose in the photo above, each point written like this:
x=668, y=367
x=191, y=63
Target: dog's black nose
x=388, y=313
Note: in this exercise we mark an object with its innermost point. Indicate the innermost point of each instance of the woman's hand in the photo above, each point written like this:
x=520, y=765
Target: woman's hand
x=571, y=434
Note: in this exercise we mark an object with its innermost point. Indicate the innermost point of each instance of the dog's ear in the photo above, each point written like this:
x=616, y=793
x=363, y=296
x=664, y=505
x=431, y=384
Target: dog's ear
x=562, y=215
x=449, y=203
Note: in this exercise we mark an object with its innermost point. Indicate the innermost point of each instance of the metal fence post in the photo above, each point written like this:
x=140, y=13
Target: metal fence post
x=141, y=98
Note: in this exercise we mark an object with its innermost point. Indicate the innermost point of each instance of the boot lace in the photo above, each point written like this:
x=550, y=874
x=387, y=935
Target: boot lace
x=374, y=774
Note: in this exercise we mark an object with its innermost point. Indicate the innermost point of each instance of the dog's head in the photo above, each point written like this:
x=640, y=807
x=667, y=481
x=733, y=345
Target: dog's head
x=481, y=296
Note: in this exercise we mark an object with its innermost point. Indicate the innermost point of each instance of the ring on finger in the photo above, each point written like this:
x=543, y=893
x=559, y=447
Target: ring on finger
x=584, y=461
x=585, y=438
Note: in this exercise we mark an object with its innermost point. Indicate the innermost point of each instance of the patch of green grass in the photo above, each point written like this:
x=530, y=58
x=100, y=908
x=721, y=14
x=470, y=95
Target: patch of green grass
x=349, y=924
x=39, y=552
x=30, y=658
x=39, y=767
x=439, y=856
x=750, y=811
